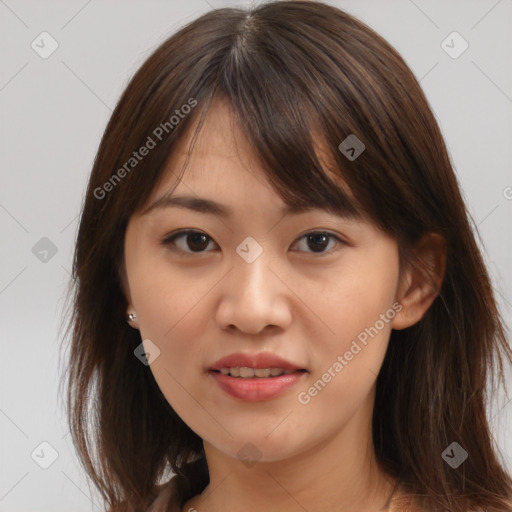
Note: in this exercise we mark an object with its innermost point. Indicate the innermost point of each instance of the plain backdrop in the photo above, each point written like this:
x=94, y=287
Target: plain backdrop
x=53, y=112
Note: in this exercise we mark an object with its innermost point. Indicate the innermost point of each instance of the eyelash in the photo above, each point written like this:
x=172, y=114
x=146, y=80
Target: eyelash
x=170, y=239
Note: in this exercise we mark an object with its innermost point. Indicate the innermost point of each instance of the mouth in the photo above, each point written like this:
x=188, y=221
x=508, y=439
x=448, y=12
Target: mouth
x=244, y=372
x=256, y=384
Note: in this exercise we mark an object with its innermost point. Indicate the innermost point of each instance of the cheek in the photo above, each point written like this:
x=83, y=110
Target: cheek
x=172, y=314
x=169, y=307
x=361, y=292
x=162, y=293
x=174, y=307
x=358, y=307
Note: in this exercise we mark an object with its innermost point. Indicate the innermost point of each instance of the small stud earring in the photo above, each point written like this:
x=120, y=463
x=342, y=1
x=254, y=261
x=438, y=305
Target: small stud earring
x=131, y=317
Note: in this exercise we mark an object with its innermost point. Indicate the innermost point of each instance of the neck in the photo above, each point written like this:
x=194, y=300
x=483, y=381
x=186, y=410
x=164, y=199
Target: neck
x=340, y=473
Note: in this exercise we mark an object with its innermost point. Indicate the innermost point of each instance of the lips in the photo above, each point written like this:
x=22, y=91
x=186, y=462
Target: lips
x=256, y=389
x=261, y=360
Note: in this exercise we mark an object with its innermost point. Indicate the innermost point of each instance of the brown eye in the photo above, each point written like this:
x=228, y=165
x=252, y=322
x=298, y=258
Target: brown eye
x=319, y=240
x=188, y=241
x=192, y=241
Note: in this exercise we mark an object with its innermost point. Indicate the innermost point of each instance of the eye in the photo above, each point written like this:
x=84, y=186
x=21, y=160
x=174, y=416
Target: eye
x=197, y=241
x=319, y=240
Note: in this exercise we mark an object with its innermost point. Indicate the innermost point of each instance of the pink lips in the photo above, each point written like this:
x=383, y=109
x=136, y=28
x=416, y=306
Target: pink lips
x=257, y=388
x=261, y=360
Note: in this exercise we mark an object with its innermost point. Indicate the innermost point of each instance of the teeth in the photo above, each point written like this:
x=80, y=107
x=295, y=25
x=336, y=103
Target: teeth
x=248, y=373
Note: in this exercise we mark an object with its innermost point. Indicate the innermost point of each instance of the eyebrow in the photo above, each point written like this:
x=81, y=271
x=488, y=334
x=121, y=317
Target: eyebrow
x=203, y=205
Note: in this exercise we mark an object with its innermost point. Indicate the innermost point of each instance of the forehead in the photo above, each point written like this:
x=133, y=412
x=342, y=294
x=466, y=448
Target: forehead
x=218, y=160
x=218, y=156
x=220, y=135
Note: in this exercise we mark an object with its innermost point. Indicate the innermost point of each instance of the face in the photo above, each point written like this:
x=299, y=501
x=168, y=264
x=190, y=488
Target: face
x=257, y=281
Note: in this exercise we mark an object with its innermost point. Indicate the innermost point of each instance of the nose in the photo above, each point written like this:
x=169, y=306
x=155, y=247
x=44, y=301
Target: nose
x=254, y=296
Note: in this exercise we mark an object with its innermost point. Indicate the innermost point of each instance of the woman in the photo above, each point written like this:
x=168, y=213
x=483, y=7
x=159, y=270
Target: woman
x=278, y=295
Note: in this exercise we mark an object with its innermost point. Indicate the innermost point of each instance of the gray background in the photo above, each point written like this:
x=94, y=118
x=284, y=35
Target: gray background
x=53, y=112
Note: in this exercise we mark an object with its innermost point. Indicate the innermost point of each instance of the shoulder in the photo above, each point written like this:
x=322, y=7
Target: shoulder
x=403, y=501
x=168, y=497
x=173, y=495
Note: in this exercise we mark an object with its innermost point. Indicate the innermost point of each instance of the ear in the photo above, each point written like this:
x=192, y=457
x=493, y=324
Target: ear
x=420, y=284
x=125, y=288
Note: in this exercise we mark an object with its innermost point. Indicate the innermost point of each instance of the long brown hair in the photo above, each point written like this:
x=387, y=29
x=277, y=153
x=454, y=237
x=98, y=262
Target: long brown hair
x=294, y=74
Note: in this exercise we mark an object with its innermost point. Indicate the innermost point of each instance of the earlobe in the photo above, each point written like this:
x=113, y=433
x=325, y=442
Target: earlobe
x=131, y=315
x=131, y=318
x=421, y=283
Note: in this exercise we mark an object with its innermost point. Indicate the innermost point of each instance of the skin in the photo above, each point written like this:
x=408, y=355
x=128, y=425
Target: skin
x=307, y=307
